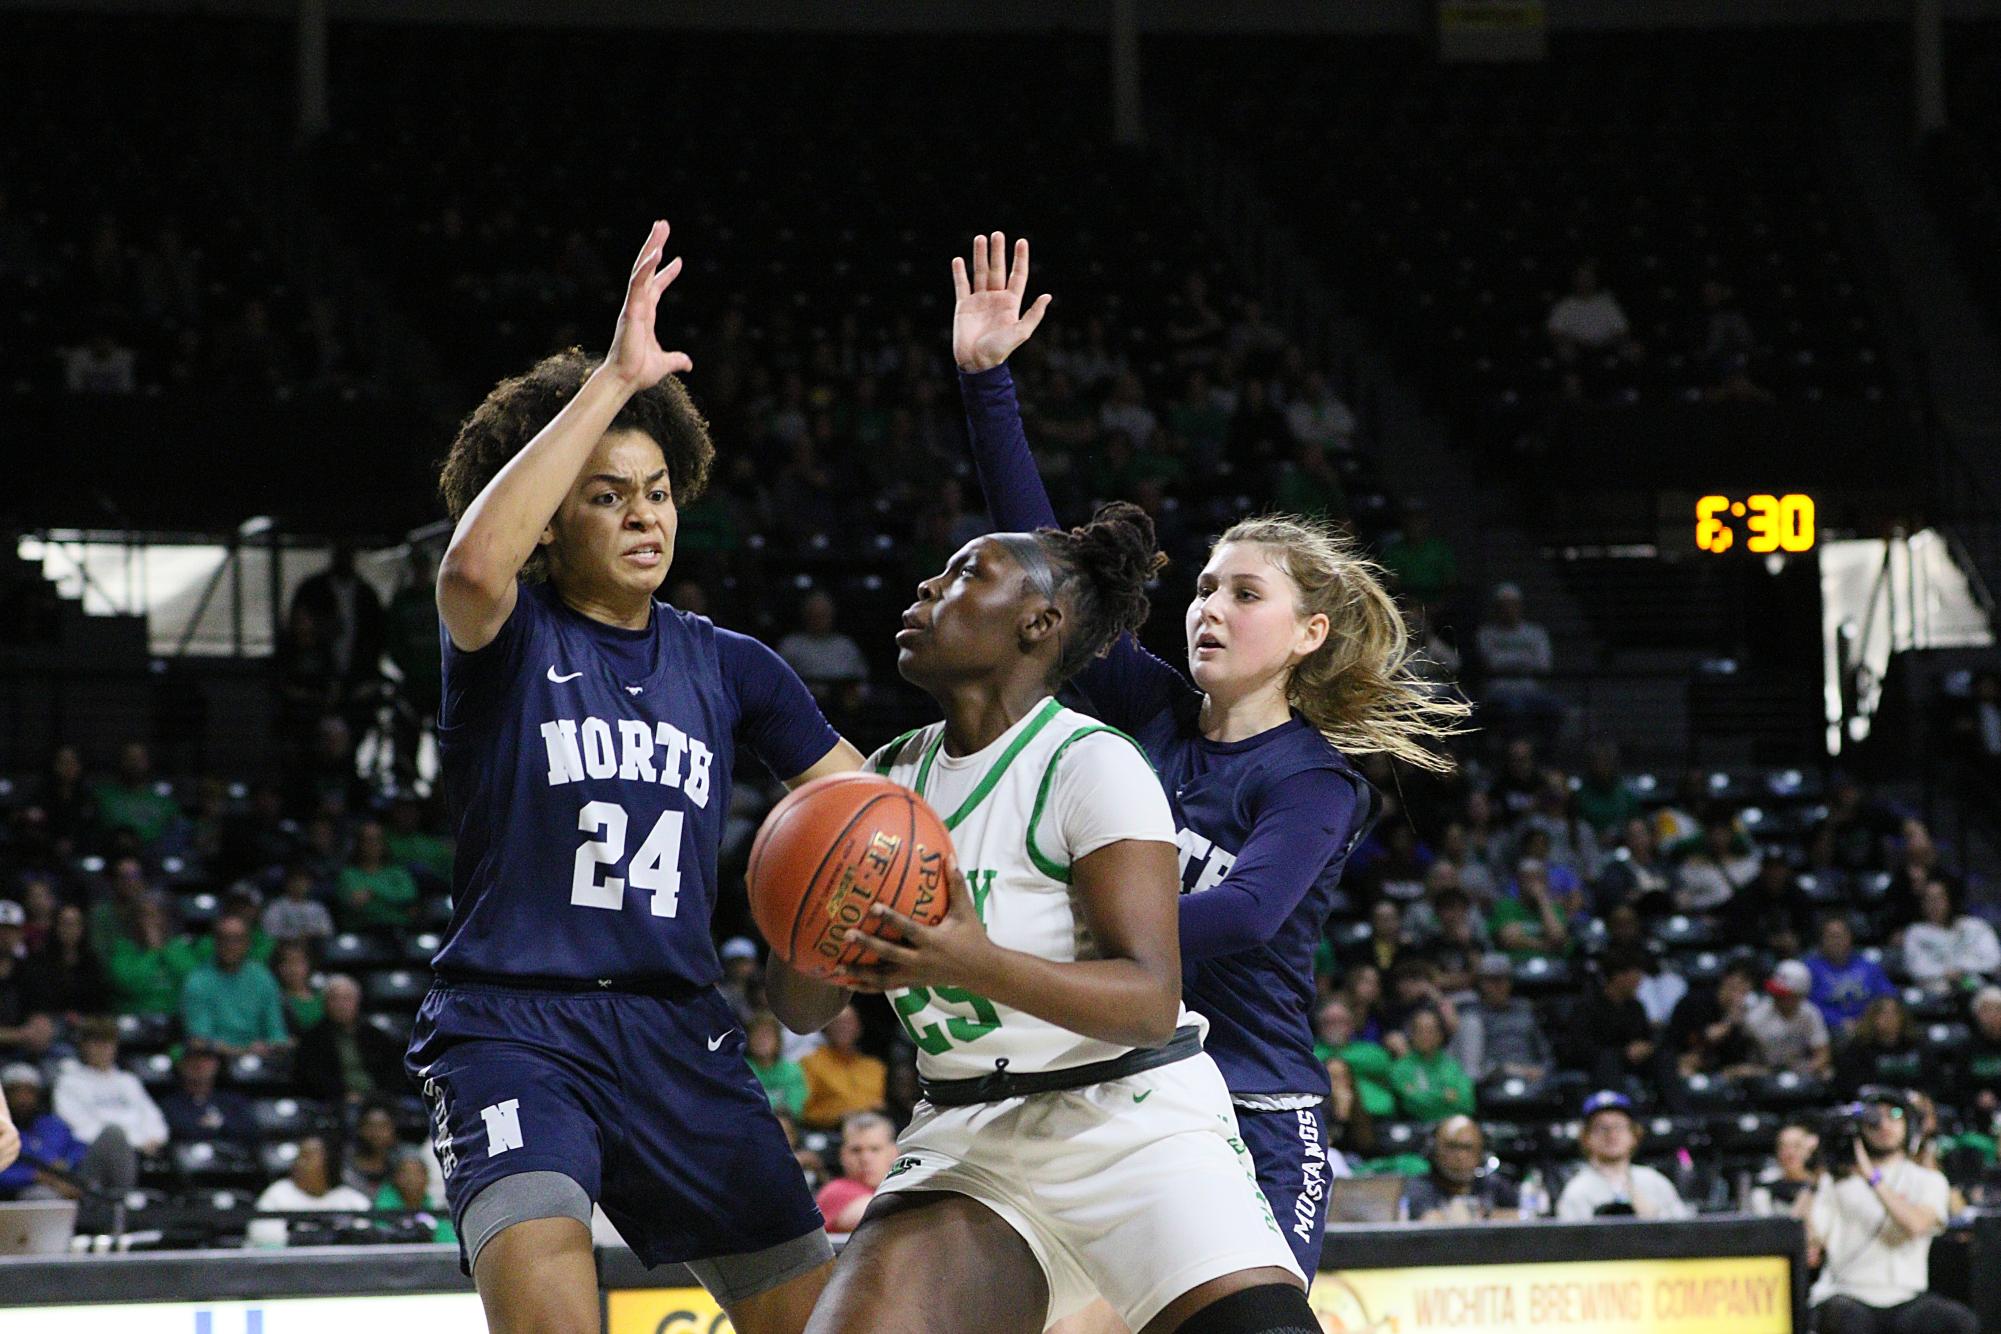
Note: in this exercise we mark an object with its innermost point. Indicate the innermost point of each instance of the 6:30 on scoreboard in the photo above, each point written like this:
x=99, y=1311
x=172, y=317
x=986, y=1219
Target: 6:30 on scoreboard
x=1764, y=523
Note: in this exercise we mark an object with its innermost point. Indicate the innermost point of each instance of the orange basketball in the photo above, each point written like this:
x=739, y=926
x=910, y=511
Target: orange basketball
x=828, y=852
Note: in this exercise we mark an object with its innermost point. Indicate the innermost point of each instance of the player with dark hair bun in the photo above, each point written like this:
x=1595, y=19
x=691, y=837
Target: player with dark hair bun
x=1102, y=570
x=575, y=1049
x=1073, y=1137
x=1299, y=658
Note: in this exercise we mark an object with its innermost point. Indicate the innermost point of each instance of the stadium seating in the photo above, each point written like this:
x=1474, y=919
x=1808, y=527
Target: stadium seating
x=1450, y=204
x=819, y=187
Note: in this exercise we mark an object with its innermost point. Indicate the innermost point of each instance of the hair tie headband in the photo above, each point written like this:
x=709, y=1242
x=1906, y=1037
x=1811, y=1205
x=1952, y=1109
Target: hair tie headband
x=1032, y=559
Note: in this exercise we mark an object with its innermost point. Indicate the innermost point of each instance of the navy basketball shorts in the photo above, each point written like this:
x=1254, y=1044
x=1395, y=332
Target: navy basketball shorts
x=1290, y=1150
x=645, y=1102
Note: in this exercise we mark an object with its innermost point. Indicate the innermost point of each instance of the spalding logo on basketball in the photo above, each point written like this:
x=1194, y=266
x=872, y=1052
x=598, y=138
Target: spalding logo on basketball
x=830, y=851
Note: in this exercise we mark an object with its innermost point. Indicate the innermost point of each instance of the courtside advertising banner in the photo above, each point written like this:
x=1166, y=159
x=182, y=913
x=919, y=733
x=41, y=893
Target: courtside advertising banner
x=664, y=1311
x=1740, y=1295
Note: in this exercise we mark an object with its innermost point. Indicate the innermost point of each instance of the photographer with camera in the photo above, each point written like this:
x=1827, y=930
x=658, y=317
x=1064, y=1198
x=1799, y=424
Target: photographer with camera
x=1870, y=1225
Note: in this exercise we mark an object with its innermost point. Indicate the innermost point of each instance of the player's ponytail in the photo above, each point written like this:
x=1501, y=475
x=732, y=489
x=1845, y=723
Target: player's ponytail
x=1102, y=570
x=1357, y=688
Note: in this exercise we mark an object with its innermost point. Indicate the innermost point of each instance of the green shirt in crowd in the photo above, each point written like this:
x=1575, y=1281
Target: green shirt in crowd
x=302, y=1012
x=1302, y=492
x=1426, y=570
x=139, y=809
x=1431, y=1088
x=391, y=901
x=1369, y=1062
x=1606, y=809
x=148, y=981
x=785, y=1083
x=235, y=1009
x=427, y=851
x=391, y=1198
x=1511, y=909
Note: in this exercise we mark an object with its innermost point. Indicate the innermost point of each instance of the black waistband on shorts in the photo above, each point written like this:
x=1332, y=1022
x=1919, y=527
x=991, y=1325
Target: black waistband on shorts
x=661, y=988
x=1000, y=1085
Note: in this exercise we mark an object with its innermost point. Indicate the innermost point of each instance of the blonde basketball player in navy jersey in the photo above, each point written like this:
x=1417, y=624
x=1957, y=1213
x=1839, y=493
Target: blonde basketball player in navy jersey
x=575, y=1048
x=1298, y=657
x=1073, y=1138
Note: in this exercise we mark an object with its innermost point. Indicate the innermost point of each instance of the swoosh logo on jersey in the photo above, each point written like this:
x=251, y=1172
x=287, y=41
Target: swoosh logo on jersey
x=716, y=1043
x=634, y=690
x=1142, y=1097
x=560, y=679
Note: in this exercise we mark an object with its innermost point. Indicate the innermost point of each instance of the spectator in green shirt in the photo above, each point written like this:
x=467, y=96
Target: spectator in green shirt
x=1426, y=570
x=783, y=1080
x=1369, y=1062
x=1603, y=797
x=119, y=915
x=1120, y=466
x=305, y=1004
x=409, y=845
x=1350, y=1127
x=1526, y=922
x=131, y=800
x=148, y=969
x=372, y=891
x=1199, y=419
x=1430, y=1085
x=408, y=1190
x=1309, y=484
x=234, y=1003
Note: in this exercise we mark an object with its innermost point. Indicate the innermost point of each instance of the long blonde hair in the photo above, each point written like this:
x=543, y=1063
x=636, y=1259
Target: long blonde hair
x=1358, y=688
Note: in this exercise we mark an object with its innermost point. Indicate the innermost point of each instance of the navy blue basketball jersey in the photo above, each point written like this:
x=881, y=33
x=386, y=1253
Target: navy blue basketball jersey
x=1247, y=966
x=587, y=768
x=1265, y=825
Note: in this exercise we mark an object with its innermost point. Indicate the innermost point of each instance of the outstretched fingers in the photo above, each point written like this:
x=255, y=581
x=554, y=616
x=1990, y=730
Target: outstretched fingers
x=1017, y=280
x=960, y=288
x=664, y=279
x=1033, y=319
x=996, y=262
x=649, y=254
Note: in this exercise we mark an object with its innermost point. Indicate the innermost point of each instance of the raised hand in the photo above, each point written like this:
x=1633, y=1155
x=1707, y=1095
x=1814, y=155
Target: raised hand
x=635, y=355
x=988, y=323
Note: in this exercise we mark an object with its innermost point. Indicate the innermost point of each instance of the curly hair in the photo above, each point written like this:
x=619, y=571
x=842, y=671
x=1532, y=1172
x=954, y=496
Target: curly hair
x=519, y=407
x=1358, y=688
x=1102, y=570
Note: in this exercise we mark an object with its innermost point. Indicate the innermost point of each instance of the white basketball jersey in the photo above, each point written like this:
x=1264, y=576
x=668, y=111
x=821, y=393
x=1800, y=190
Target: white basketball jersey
x=1055, y=787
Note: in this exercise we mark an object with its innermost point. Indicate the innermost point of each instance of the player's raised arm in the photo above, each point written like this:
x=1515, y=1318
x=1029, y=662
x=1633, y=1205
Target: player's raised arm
x=987, y=326
x=500, y=530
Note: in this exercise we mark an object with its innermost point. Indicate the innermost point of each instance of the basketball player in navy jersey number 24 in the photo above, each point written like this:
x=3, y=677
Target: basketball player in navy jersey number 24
x=575, y=1048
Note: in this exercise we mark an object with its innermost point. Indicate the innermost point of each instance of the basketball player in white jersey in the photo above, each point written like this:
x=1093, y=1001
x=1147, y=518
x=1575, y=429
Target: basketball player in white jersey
x=1073, y=1139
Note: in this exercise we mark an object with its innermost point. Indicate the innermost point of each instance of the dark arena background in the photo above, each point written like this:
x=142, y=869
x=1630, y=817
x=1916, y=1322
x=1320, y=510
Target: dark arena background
x=1653, y=347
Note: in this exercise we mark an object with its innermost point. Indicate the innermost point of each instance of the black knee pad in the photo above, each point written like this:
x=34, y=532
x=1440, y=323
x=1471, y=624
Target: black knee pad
x=1274, y=1308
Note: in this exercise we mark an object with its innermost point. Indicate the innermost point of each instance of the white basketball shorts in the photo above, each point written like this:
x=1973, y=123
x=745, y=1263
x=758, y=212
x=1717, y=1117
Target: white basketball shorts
x=1138, y=1188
